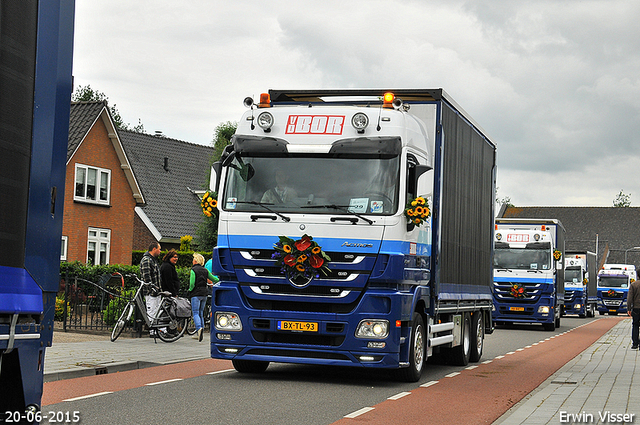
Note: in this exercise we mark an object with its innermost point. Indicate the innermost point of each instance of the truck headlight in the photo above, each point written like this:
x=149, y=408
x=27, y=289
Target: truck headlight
x=225, y=321
x=543, y=309
x=577, y=306
x=373, y=328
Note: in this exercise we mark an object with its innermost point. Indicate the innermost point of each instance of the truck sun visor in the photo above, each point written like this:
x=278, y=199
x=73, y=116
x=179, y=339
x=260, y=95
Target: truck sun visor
x=249, y=146
x=368, y=146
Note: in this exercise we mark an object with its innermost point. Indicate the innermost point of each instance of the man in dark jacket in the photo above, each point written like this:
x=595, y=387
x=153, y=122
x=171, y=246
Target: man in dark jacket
x=633, y=310
x=150, y=273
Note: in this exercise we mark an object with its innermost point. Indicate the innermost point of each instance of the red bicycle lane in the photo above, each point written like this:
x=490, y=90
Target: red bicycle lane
x=481, y=393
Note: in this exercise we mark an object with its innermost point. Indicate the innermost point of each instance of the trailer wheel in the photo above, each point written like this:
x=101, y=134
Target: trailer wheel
x=416, y=351
x=477, y=337
x=249, y=366
x=460, y=354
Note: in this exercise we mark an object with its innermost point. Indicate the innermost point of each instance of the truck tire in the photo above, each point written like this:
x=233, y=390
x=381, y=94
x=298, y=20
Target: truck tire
x=591, y=311
x=549, y=326
x=460, y=354
x=477, y=336
x=416, y=351
x=557, y=322
x=249, y=366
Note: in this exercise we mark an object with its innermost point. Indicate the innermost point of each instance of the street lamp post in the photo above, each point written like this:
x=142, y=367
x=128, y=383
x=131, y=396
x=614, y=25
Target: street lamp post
x=627, y=250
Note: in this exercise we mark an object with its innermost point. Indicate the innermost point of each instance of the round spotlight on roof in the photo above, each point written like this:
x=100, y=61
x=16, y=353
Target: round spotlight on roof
x=265, y=121
x=248, y=102
x=360, y=121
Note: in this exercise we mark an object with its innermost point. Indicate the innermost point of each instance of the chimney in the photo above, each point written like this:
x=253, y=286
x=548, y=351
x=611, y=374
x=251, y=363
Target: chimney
x=166, y=163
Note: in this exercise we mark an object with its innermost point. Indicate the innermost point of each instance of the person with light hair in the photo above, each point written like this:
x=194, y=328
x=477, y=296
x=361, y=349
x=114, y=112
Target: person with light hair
x=198, y=292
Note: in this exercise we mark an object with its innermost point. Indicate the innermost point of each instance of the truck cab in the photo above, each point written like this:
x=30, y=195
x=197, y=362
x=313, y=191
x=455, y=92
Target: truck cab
x=614, y=281
x=580, y=284
x=526, y=269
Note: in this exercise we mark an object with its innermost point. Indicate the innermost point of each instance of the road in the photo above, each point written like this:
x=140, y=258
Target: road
x=209, y=391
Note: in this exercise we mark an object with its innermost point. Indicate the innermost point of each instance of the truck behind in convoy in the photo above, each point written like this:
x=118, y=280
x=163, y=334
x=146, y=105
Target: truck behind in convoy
x=580, y=283
x=613, y=285
x=355, y=229
x=36, y=49
x=528, y=272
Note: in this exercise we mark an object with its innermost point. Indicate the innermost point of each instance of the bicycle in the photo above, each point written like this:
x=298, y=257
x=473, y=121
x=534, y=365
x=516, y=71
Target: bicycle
x=191, y=325
x=168, y=328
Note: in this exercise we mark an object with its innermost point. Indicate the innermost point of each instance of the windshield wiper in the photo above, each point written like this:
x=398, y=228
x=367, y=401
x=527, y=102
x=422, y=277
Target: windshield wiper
x=264, y=205
x=344, y=208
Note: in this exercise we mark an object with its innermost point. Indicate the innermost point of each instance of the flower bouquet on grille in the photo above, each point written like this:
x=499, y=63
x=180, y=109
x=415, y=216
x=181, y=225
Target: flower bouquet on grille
x=300, y=260
x=518, y=290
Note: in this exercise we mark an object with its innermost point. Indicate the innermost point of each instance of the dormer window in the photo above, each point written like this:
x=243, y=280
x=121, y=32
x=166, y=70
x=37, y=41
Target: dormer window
x=92, y=184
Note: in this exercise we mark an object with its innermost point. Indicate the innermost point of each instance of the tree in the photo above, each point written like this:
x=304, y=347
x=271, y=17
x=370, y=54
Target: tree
x=207, y=230
x=504, y=200
x=222, y=137
x=622, y=200
x=87, y=94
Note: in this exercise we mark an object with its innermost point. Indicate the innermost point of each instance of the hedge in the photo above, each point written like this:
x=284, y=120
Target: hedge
x=185, y=258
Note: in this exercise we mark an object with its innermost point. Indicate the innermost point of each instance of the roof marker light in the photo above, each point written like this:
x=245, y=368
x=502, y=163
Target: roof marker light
x=388, y=100
x=265, y=100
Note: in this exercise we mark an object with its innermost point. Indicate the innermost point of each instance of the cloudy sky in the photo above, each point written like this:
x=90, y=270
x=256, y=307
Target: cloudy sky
x=556, y=84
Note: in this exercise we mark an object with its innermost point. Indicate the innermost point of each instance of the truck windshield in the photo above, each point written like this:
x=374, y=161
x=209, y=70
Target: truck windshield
x=613, y=281
x=522, y=258
x=318, y=184
x=573, y=276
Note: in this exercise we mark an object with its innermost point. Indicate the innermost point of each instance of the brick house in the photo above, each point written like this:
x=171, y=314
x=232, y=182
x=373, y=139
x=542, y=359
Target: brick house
x=125, y=190
x=101, y=191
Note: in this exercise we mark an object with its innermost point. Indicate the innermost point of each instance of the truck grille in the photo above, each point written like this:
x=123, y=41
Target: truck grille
x=502, y=290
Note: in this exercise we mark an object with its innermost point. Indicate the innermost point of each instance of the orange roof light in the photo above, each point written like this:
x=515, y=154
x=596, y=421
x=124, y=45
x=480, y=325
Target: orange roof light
x=544, y=228
x=388, y=100
x=265, y=100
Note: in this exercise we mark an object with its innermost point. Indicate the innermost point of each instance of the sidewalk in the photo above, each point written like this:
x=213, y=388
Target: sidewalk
x=597, y=386
x=96, y=354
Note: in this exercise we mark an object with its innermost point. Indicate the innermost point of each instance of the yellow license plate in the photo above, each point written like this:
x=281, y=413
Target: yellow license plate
x=516, y=308
x=286, y=325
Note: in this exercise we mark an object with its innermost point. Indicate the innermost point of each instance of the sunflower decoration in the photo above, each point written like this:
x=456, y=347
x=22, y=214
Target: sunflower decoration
x=209, y=205
x=557, y=255
x=302, y=259
x=518, y=290
x=417, y=211
x=611, y=293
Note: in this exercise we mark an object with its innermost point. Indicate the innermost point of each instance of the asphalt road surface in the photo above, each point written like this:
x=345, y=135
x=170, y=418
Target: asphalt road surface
x=516, y=359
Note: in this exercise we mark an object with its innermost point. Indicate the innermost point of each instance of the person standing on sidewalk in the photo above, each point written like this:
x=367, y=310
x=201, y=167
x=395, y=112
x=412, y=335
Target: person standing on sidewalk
x=198, y=292
x=150, y=273
x=168, y=274
x=633, y=310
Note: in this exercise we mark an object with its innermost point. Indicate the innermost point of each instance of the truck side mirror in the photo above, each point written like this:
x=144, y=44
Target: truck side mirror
x=214, y=178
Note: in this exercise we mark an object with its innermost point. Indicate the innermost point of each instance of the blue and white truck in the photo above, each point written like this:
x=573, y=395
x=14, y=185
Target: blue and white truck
x=36, y=48
x=355, y=229
x=580, y=283
x=614, y=281
x=528, y=272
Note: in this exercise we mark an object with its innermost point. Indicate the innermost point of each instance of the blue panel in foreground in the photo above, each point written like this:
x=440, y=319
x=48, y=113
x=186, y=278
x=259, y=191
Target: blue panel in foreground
x=19, y=293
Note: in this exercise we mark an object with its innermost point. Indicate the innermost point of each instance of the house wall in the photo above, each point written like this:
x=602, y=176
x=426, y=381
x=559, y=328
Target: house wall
x=98, y=151
x=142, y=236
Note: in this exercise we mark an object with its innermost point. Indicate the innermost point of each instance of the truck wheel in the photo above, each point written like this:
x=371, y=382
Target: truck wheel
x=460, y=354
x=557, y=323
x=416, y=351
x=591, y=312
x=249, y=366
x=549, y=326
x=477, y=336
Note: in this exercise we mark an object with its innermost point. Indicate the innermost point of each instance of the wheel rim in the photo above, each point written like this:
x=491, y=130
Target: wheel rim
x=479, y=334
x=418, y=348
x=466, y=339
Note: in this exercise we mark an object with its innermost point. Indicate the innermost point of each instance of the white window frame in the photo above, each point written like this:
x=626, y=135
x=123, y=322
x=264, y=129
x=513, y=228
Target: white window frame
x=82, y=172
x=98, y=238
x=63, y=250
